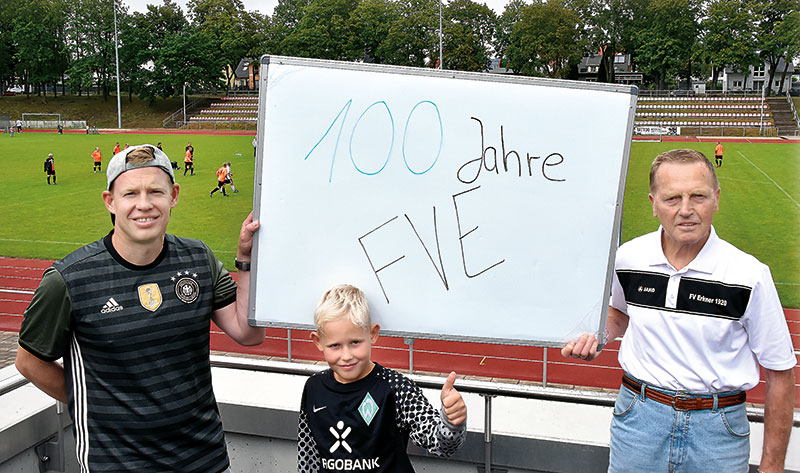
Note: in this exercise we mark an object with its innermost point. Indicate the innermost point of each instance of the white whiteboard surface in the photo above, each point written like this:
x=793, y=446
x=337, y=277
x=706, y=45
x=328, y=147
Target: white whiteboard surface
x=369, y=175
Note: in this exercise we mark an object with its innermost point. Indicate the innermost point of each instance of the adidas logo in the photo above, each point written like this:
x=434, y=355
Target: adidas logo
x=111, y=306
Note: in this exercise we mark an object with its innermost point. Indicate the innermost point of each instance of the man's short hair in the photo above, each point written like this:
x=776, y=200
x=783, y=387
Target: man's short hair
x=138, y=157
x=681, y=156
x=343, y=301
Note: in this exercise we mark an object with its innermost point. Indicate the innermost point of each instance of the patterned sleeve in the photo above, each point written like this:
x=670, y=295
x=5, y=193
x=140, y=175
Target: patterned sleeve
x=307, y=451
x=428, y=428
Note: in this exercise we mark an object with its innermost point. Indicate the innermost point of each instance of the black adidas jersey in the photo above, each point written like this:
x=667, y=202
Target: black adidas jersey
x=135, y=343
x=365, y=425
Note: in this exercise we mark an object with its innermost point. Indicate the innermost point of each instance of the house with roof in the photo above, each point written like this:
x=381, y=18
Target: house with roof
x=756, y=77
x=623, y=68
x=246, y=75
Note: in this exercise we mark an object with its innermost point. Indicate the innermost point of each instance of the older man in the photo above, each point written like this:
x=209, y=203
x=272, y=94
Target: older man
x=130, y=315
x=699, y=317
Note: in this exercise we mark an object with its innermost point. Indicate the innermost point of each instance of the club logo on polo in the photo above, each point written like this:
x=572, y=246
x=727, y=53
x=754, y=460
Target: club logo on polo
x=150, y=296
x=340, y=434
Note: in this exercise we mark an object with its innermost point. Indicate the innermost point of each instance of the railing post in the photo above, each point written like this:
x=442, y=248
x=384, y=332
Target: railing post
x=544, y=368
x=487, y=433
x=410, y=343
x=289, y=343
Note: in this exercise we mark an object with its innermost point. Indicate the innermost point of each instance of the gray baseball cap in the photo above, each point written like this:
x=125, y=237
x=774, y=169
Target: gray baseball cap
x=119, y=164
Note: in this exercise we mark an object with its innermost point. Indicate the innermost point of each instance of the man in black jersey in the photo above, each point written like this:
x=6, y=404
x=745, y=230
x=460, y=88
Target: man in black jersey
x=130, y=315
x=359, y=415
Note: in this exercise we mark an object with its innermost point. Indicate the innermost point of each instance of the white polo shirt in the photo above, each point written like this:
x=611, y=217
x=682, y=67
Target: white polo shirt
x=704, y=328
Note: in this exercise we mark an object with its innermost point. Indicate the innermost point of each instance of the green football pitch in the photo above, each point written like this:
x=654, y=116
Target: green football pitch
x=759, y=203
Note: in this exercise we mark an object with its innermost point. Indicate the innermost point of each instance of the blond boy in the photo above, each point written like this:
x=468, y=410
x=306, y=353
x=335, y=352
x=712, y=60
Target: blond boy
x=359, y=415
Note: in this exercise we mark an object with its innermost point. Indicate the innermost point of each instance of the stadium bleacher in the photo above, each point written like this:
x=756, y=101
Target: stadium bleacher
x=703, y=111
x=243, y=109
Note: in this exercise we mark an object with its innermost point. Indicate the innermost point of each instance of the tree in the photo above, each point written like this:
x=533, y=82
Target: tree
x=609, y=30
x=228, y=26
x=510, y=16
x=142, y=36
x=370, y=23
x=729, y=40
x=184, y=58
x=37, y=50
x=413, y=37
x=665, y=42
x=323, y=31
x=546, y=41
x=777, y=39
x=468, y=31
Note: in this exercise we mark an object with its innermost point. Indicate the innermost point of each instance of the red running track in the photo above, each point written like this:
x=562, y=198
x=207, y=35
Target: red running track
x=19, y=278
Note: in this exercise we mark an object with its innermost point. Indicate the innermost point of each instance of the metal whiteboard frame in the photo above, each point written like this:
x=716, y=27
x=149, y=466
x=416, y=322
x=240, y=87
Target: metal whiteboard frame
x=265, y=63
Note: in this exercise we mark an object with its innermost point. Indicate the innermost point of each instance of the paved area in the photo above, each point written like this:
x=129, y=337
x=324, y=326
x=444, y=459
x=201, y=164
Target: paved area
x=8, y=348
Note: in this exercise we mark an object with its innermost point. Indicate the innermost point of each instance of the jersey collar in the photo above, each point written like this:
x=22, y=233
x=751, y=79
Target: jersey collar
x=704, y=262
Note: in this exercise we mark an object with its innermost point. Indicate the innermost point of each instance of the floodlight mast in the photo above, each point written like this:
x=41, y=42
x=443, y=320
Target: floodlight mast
x=116, y=54
x=440, y=34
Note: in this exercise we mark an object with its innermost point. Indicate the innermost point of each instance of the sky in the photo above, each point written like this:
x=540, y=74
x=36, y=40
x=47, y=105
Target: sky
x=266, y=6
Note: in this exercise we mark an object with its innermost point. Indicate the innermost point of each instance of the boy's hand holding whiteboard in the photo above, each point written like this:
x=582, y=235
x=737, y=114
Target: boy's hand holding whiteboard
x=452, y=403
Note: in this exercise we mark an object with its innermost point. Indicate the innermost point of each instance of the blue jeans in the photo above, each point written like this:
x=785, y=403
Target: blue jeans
x=647, y=436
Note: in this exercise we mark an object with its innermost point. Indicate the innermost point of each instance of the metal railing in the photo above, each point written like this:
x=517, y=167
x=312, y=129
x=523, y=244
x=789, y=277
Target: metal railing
x=174, y=118
x=692, y=93
x=794, y=110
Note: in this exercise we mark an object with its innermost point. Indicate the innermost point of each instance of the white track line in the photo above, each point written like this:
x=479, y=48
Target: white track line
x=17, y=291
x=772, y=180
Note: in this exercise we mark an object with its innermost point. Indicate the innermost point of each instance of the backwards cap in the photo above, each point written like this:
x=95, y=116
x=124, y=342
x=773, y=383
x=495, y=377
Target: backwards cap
x=119, y=164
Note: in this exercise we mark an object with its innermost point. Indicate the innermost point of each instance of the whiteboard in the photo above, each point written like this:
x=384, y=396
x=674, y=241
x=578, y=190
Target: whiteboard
x=471, y=207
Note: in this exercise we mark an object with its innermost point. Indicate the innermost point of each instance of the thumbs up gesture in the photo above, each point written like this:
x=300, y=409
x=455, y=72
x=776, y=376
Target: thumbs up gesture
x=452, y=403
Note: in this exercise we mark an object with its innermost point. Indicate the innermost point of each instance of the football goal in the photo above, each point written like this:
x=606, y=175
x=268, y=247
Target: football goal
x=41, y=120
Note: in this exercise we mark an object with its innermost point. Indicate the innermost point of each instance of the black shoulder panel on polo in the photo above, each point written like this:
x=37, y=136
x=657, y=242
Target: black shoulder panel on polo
x=644, y=288
x=713, y=298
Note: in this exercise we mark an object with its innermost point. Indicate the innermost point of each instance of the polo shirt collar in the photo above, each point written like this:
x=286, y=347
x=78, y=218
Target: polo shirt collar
x=704, y=262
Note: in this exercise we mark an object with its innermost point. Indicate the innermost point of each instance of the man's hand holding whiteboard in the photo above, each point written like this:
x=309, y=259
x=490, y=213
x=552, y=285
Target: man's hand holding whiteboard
x=466, y=206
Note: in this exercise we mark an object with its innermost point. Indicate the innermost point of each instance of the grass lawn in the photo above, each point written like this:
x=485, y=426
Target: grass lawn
x=759, y=210
x=41, y=221
x=93, y=109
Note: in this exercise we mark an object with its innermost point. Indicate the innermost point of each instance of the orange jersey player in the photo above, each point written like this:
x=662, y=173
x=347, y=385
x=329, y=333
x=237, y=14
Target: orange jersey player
x=97, y=156
x=222, y=176
x=188, y=161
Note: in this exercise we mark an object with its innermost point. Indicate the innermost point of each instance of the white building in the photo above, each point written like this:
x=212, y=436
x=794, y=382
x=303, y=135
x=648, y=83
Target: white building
x=756, y=78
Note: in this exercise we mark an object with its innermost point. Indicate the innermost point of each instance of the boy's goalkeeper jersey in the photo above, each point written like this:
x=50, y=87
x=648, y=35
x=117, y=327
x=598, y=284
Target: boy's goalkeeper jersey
x=365, y=425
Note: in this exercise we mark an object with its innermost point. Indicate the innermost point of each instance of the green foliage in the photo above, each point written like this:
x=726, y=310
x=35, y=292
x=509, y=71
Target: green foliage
x=468, y=31
x=324, y=31
x=41, y=221
x=729, y=39
x=664, y=45
x=546, y=41
x=755, y=214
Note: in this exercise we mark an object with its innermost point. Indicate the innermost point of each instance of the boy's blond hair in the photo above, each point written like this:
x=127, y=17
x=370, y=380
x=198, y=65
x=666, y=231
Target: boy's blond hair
x=345, y=301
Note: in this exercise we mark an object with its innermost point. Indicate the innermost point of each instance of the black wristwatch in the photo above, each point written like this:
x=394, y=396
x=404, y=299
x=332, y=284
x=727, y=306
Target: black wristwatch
x=241, y=265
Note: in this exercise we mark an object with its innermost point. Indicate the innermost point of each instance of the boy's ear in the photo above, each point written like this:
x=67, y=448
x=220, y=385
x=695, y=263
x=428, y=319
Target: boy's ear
x=373, y=333
x=316, y=340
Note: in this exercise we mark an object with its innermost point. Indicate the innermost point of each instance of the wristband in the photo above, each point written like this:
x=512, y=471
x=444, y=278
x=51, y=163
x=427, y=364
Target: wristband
x=241, y=265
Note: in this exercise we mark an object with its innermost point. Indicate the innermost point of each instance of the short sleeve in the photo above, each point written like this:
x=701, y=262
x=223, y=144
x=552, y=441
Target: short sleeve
x=767, y=330
x=224, y=286
x=618, y=295
x=47, y=324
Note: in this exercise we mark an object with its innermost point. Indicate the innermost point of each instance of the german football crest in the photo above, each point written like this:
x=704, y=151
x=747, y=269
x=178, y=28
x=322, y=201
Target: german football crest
x=150, y=296
x=187, y=290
